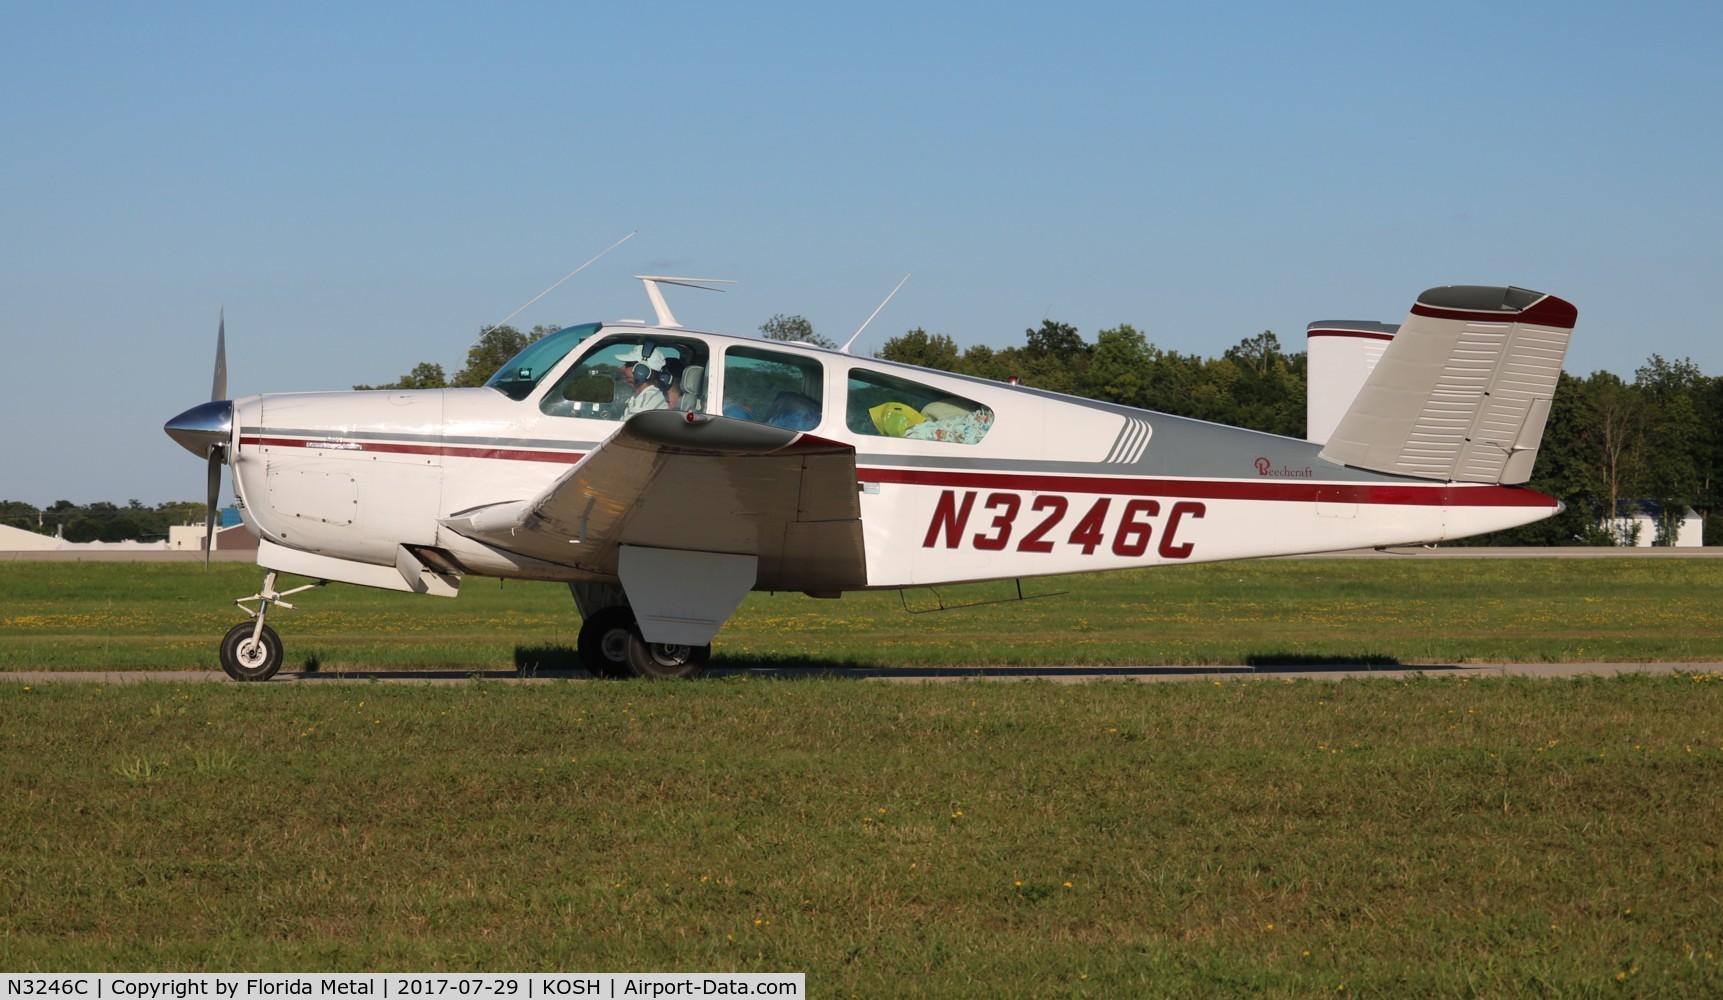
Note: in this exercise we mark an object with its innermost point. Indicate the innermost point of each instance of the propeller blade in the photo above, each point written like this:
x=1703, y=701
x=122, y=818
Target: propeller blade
x=214, y=497
x=219, y=389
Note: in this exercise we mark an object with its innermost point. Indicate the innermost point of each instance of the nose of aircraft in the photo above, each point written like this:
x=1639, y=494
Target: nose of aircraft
x=201, y=426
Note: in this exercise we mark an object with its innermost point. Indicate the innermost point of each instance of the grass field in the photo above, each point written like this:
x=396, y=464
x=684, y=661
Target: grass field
x=170, y=616
x=1392, y=837
x=1411, y=837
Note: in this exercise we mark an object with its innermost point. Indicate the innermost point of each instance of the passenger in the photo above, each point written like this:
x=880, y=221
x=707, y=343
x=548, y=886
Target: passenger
x=670, y=383
x=794, y=411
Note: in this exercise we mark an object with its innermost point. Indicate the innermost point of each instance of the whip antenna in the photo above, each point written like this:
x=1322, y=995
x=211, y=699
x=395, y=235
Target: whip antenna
x=552, y=288
x=846, y=348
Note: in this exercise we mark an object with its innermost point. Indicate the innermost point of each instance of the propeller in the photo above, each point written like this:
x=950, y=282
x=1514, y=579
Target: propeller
x=206, y=430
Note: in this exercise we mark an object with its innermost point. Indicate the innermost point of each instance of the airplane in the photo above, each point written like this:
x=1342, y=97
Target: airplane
x=663, y=472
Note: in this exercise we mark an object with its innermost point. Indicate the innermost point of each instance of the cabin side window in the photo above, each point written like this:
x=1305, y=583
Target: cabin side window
x=629, y=373
x=773, y=387
x=888, y=406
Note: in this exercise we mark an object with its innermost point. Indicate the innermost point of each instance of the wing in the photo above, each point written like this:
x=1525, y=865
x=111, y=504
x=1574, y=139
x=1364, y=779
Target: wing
x=695, y=483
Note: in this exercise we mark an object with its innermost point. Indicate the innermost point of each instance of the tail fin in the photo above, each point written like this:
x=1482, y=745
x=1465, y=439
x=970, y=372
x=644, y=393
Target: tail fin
x=1464, y=389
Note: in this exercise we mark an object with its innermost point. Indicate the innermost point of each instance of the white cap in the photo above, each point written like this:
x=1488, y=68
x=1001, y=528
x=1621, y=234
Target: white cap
x=653, y=361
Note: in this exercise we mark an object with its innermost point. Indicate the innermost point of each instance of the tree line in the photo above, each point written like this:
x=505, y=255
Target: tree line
x=101, y=521
x=1609, y=442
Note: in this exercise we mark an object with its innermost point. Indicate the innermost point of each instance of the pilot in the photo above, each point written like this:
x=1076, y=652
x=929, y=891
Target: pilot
x=639, y=373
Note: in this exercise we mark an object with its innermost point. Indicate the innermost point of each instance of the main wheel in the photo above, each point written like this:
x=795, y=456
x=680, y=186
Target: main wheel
x=657, y=660
x=603, y=642
x=247, y=660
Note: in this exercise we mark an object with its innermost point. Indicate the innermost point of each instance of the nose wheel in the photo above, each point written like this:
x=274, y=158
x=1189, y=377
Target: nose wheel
x=251, y=651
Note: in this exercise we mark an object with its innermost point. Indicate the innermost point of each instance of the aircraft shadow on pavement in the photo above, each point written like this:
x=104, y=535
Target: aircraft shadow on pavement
x=561, y=662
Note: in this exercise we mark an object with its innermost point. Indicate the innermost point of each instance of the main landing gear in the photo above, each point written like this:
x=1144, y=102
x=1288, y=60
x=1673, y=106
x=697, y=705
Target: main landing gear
x=610, y=645
x=251, y=651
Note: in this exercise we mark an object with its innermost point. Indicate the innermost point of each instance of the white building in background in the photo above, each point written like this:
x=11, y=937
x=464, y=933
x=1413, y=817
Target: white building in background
x=187, y=538
x=19, y=540
x=1635, y=524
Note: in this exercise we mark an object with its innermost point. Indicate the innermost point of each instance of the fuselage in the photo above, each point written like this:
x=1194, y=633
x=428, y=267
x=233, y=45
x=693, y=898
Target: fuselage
x=958, y=478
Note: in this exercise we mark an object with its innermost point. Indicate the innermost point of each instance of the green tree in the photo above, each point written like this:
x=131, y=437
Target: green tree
x=57, y=514
x=1260, y=354
x=493, y=349
x=18, y=514
x=1055, y=356
x=918, y=347
x=1618, y=421
x=179, y=512
x=1709, y=401
x=982, y=361
x=1268, y=393
x=1120, y=366
x=794, y=329
x=1678, y=438
x=425, y=375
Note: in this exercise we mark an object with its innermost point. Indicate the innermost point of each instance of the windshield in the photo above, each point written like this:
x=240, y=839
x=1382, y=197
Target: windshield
x=521, y=375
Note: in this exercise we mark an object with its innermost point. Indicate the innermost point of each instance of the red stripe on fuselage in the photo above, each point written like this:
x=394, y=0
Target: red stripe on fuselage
x=1386, y=494
x=1281, y=491
x=445, y=451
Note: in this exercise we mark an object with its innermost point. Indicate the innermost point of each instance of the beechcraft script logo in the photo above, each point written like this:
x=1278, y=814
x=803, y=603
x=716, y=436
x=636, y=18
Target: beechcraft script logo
x=1264, y=467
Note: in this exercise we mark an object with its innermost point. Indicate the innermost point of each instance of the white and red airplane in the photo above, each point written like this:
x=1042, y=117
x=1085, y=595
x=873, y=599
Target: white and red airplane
x=664, y=472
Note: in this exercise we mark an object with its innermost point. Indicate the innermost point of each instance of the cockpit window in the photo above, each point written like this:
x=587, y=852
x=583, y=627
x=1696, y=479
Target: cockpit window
x=630, y=372
x=521, y=375
x=896, y=407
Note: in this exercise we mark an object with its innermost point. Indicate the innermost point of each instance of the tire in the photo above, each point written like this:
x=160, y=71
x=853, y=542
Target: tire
x=663, y=661
x=603, y=642
x=245, y=660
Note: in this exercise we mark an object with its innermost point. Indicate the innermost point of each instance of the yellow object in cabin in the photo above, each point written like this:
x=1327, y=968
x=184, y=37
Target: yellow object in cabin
x=892, y=419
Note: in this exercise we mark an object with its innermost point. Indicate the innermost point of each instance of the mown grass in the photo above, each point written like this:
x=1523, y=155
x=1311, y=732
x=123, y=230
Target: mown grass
x=167, y=616
x=1410, y=837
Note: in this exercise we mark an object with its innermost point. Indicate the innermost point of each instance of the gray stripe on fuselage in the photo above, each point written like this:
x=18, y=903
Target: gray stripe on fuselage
x=516, y=444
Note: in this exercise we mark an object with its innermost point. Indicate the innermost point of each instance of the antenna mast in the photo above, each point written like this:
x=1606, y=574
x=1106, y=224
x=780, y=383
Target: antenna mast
x=552, y=288
x=846, y=348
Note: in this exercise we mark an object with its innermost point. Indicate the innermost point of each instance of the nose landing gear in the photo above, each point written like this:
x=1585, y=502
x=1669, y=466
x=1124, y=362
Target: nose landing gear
x=251, y=651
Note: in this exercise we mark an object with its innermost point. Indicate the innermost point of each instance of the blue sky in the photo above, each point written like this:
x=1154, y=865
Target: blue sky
x=363, y=187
